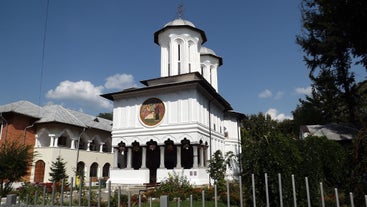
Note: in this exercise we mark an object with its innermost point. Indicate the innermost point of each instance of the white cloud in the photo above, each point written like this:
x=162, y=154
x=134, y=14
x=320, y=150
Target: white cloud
x=303, y=91
x=279, y=95
x=265, y=94
x=120, y=81
x=83, y=93
x=275, y=116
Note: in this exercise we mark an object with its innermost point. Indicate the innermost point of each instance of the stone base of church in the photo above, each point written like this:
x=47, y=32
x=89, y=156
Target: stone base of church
x=130, y=178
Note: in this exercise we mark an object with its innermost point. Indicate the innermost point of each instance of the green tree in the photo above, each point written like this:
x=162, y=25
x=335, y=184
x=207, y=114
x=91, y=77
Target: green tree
x=108, y=116
x=217, y=169
x=15, y=159
x=58, y=170
x=333, y=39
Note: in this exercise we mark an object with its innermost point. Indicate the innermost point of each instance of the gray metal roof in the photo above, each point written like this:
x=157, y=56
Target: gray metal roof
x=57, y=113
x=336, y=132
x=22, y=107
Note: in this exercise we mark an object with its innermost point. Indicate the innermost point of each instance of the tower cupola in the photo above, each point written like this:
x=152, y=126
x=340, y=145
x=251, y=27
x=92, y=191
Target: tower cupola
x=180, y=43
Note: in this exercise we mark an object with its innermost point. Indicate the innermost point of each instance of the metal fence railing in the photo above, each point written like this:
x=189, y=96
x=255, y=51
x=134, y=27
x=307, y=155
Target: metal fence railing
x=105, y=197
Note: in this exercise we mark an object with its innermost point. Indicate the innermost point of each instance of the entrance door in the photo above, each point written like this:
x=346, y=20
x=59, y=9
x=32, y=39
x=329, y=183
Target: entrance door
x=153, y=176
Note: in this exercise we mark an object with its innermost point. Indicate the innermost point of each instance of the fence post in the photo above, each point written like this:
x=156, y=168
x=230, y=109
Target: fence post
x=129, y=199
x=351, y=199
x=253, y=189
x=80, y=194
x=337, y=197
x=150, y=201
x=62, y=193
x=307, y=192
x=267, y=190
x=139, y=200
x=215, y=196
x=119, y=196
x=294, y=192
x=322, y=195
x=44, y=196
x=71, y=191
x=53, y=193
x=99, y=192
x=178, y=202
x=109, y=194
x=365, y=199
x=203, y=198
x=191, y=200
x=228, y=197
x=280, y=190
x=35, y=198
x=90, y=192
x=241, y=195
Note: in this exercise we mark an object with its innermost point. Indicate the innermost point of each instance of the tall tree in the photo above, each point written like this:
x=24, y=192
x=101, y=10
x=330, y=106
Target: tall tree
x=334, y=37
x=15, y=159
x=58, y=170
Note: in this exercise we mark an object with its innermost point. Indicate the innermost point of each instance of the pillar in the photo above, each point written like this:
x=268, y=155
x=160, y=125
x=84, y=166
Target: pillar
x=72, y=146
x=56, y=142
x=129, y=158
x=101, y=147
x=88, y=147
x=52, y=139
x=115, y=158
x=162, y=157
x=144, y=158
x=201, y=151
x=195, y=149
x=178, y=165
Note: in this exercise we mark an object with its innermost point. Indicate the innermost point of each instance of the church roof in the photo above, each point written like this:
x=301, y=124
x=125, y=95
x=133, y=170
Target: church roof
x=172, y=82
x=210, y=52
x=57, y=113
x=179, y=23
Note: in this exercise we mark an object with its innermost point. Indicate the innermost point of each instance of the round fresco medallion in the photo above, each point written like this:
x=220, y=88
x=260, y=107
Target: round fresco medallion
x=152, y=111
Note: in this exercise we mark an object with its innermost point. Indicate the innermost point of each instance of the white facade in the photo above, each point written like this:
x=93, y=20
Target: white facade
x=178, y=120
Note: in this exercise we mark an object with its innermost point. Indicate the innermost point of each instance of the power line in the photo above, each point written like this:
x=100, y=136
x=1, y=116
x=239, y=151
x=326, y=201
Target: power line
x=43, y=53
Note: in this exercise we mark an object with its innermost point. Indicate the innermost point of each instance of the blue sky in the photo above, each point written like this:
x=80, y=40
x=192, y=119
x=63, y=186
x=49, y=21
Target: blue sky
x=103, y=46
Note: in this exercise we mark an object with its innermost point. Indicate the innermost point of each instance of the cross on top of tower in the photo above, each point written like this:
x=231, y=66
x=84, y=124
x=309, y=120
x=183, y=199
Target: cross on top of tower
x=180, y=11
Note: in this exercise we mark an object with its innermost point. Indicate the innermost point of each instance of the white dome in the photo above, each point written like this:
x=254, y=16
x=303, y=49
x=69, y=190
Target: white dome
x=204, y=50
x=180, y=22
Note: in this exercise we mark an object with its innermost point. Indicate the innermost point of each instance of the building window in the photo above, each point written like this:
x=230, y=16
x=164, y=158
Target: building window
x=106, y=170
x=61, y=141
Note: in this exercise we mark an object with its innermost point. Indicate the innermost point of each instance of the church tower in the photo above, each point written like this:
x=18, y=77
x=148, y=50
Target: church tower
x=176, y=121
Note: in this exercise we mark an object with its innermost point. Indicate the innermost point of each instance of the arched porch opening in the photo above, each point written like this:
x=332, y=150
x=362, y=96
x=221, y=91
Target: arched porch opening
x=39, y=171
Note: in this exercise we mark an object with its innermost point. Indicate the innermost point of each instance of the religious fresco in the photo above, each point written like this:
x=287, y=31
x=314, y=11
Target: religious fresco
x=152, y=111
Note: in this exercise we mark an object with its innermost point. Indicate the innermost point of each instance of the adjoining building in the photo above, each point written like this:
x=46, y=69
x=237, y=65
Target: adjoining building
x=81, y=140
x=177, y=121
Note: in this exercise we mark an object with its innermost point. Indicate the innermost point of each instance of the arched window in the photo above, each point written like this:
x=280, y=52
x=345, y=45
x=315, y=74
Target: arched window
x=121, y=156
x=136, y=155
x=153, y=155
x=80, y=169
x=170, y=154
x=106, y=170
x=93, y=170
x=187, y=154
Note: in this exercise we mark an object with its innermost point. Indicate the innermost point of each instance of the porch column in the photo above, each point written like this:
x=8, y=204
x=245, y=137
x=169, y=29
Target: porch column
x=72, y=146
x=56, y=142
x=144, y=158
x=201, y=151
x=115, y=157
x=195, y=149
x=162, y=157
x=129, y=158
x=88, y=147
x=52, y=139
x=178, y=165
x=101, y=147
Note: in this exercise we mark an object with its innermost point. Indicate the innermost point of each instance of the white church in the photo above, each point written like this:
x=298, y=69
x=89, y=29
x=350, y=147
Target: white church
x=176, y=121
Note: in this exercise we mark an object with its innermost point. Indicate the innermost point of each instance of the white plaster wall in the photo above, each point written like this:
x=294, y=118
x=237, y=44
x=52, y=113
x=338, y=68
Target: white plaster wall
x=49, y=155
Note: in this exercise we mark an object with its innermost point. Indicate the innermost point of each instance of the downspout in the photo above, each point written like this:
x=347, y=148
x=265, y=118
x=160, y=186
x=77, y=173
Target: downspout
x=77, y=154
x=25, y=131
x=6, y=130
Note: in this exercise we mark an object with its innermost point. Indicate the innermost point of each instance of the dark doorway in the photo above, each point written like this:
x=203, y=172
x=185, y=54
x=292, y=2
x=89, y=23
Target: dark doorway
x=153, y=176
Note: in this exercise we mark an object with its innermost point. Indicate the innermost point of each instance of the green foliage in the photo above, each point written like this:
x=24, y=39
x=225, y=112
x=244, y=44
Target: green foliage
x=28, y=191
x=217, y=170
x=107, y=116
x=175, y=186
x=359, y=171
x=58, y=171
x=15, y=159
x=333, y=41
